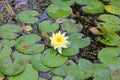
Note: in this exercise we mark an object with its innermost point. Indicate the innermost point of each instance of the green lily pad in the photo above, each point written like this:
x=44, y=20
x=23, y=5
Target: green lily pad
x=47, y=27
x=83, y=66
x=6, y=51
x=78, y=41
x=71, y=27
x=115, y=75
x=74, y=70
x=70, y=51
x=55, y=11
x=28, y=74
x=42, y=79
x=69, y=77
x=28, y=16
x=38, y=65
x=110, y=38
x=57, y=78
x=113, y=9
x=83, y=2
x=110, y=57
x=10, y=68
x=27, y=44
x=111, y=22
x=116, y=2
x=9, y=31
x=51, y=59
x=63, y=3
x=103, y=74
x=8, y=43
x=93, y=8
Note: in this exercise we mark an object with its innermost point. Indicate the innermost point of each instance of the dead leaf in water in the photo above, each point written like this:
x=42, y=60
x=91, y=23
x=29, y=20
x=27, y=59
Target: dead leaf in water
x=95, y=31
x=1, y=78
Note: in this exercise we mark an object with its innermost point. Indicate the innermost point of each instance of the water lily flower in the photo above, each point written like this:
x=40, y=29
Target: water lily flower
x=59, y=41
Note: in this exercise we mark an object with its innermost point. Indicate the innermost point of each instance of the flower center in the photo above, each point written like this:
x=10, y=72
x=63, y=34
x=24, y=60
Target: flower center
x=59, y=39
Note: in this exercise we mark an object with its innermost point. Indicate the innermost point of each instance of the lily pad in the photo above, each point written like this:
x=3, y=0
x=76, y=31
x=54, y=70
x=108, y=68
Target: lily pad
x=103, y=74
x=6, y=51
x=28, y=16
x=27, y=44
x=110, y=38
x=93, y=8
x=116, y=2
x=51, y=59
x=69, y=77
x=57, y=78
x=47, y=26
x=55, y=11
x=74, y=70
x=63, y=3
x=111, y=23
x=110, y=57
x=71, y=27
x=38, y=65
x=7, y=43
x=83, y=2
x=78, y=41
x=28, y=74
x=9, y=31
x=10, y=68
x=113, y=9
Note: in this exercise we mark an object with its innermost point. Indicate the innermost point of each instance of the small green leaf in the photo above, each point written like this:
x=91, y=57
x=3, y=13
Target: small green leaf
x=57, y=78
x=93, y=8
x=113, y=9
x=8, y=67
x=28, y=16
x=28, y=74
x=55, y=11
x=83, y=2
x=103, y=74
x=63, y=3
x=5, y=52
x=116, y=2
x=38, y=65
x=69, y=77
x=51, y=59
x=8, y=43
x=59, y=71
x=83, y=66
x=71, y=27
x=78, y=41
x=27, y=44
x=110, y=57
x=47, y=26
x=9, y=31
x=110, y=38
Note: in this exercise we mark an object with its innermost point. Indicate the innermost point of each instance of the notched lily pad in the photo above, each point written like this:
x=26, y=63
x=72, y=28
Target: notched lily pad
x=110, y=38
x=10, y=67
x=83, y=2
x=63, y=3
x=55, y=11
x=111, y=22
x=5, y=52
x=47, y=26
x=28, y=74
x=113, y=9
x=51, y=59
x=27, y=44
x=37, y=63
x=78, y=41
x=28, y=16
x=9, y=31
x=71, y=27
x=93, y=8
x=7, y=43
x=110, y=57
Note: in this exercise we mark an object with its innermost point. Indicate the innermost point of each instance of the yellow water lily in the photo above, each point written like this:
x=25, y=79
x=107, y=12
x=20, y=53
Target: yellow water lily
x=59, y=41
